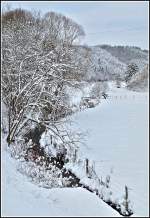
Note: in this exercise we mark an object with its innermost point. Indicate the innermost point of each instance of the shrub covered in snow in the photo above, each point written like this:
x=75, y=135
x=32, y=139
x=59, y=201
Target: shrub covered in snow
x=88, y=102
x=98, y=89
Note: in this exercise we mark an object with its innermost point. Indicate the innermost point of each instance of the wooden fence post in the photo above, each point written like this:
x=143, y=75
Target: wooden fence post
x=75, y=155
x=107, y=181
x=87, y=166
x=126, y=199
x=51, y=139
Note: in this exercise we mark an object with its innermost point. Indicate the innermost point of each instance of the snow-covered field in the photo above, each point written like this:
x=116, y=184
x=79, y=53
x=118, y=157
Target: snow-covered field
x=118, y=142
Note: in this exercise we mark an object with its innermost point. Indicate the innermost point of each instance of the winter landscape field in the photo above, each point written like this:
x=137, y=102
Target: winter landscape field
x=74, y=124
x=119, y=146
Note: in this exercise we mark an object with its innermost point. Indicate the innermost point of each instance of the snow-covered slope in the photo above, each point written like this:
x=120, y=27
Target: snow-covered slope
x=127, y=54
x=110, y=63
x=139, y=81
x=118, y=143
x=103, y=62
x=98, y=63
x=22, y=198
x=140, y=63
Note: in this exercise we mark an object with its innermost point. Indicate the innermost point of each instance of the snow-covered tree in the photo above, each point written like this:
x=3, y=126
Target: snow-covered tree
x=37, y=65
x=132, y=69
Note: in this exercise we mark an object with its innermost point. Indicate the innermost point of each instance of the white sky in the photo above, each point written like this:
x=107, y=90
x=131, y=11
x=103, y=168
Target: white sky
x=104, y=22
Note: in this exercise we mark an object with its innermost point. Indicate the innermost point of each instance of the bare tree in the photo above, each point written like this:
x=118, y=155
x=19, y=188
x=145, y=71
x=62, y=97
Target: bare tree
x=37, y=67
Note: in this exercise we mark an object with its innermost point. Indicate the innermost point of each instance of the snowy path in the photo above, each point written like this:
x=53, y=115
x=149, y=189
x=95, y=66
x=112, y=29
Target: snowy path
x=118, y=142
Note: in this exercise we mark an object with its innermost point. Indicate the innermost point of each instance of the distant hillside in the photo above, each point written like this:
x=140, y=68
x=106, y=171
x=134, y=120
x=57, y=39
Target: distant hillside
x=110, y=64
x=100, y=64
x=105, y=62
x=139, y=82
x=127, y=54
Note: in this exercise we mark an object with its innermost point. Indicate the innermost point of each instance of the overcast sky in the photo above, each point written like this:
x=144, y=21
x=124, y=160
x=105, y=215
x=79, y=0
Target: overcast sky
x=104, y=22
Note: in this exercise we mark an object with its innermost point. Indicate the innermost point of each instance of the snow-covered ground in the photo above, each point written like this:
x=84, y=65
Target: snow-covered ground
x=118, y=142
x=21, y=198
